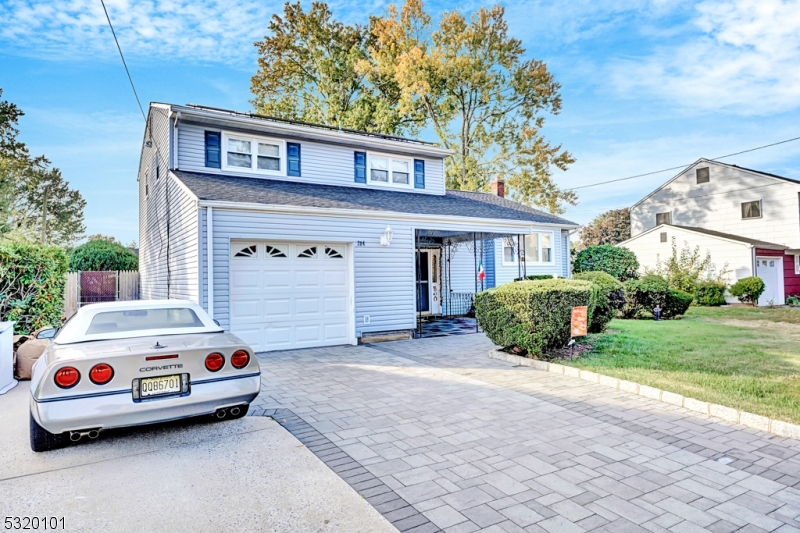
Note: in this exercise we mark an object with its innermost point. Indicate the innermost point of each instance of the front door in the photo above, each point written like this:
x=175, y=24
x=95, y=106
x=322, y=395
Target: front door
x=770, y=270
x=429, y=283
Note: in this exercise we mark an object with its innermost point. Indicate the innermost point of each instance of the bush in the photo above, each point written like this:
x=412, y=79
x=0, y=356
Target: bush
x=709, y=293
x=533, y=316
x=32, y=280
x=676, y=303
x=793, y=301
x=102, y=255
x=619, y=262
x=748, y=290
x=535, y=277
x=610, y=298
x=643, y=295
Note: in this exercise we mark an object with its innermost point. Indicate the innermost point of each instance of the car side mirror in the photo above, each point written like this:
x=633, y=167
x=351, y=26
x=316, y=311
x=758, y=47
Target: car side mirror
x=216, y=322
x=48, y=333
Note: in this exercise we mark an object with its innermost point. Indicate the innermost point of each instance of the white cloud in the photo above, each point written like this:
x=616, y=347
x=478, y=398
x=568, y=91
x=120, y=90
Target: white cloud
x=741, y=56
x=207, y=30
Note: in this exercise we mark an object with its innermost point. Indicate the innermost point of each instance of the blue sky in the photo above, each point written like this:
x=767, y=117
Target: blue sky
x=646, y=84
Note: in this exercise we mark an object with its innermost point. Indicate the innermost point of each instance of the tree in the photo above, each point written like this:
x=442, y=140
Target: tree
x=100, y=254
x=617, y=261
x=685, y=269
x=36, y=204
x=467, y=78
x=101, y=237
x=612, y=227
x=484, y=100
x=308, y=69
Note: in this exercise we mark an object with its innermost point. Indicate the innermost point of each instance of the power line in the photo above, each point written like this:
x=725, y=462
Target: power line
x=130, y=79
x=682, y=166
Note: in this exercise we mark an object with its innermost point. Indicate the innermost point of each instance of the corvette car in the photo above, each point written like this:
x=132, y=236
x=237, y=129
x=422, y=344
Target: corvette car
x=122, y=364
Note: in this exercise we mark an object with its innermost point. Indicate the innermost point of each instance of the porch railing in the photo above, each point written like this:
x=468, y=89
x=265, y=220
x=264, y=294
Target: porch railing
x=457, y=303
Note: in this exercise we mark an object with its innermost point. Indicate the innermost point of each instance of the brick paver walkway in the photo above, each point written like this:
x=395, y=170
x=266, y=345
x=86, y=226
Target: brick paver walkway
x=475, y=444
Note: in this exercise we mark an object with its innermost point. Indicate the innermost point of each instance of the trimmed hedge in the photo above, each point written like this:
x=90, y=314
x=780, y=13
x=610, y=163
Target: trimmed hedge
x=644, y=294
x=32, y=280
x=610, y=298
x=676, y=303
x=102, y=255
x=533, y=316
x=709, y=293
x=748, y=290
x=619, y=262
x=535, y=277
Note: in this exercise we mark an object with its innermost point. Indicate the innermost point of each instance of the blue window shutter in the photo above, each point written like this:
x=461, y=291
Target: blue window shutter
x=360, y=167
x=213, y=158
x=292, y=159
x=419, y=174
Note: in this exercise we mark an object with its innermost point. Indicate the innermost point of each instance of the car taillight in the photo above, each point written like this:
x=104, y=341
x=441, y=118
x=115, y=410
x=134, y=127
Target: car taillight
x=214, y=361
x=240, y=358
x=101, y=374
x=67, y=377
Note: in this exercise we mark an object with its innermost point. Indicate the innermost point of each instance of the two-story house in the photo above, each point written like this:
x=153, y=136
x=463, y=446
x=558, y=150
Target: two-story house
x=301, y=235
x=749, y=221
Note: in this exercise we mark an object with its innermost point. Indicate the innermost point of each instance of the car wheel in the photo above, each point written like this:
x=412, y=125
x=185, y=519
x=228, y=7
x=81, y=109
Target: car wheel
x=42, y=440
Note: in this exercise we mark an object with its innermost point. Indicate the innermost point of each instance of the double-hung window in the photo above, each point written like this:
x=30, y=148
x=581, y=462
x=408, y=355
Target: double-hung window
x=751, y=209
x=537, y=248
x=392, y=171
x=256, y=154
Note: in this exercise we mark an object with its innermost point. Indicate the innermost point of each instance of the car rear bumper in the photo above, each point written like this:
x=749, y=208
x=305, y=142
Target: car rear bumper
x=119, y=410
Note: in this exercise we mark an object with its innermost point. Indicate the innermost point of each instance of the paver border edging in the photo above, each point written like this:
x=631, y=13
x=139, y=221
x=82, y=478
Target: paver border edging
x=729, y=414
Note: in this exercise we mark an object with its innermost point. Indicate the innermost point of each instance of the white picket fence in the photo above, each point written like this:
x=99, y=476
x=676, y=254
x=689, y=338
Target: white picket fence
x=91, y=287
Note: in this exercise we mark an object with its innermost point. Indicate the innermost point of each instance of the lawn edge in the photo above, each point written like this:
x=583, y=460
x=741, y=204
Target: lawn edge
x=728, y=414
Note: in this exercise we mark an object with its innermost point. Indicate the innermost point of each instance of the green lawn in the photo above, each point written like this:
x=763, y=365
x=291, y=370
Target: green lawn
x=737, y=357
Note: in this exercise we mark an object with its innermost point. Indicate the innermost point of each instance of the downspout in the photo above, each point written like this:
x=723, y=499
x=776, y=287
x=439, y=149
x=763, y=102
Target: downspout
x=175, y=142
x=210, y=252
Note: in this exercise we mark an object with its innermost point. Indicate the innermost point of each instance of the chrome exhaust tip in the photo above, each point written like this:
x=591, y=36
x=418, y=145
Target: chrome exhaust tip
x=222, y=413
x=75, y=436
x=93, y=434
x=235, y=411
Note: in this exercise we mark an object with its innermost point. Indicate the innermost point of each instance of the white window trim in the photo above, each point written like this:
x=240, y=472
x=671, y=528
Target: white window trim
x=797, y=264
x=532, y=263
x=254, y=140
x=390, y=157
x=760, y=209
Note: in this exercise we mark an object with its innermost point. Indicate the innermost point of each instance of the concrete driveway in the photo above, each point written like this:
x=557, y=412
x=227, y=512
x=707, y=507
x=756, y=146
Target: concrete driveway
x=243, y=475
x=437, y=436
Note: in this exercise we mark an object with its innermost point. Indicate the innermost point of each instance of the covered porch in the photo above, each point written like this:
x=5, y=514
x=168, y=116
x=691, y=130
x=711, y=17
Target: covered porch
x=451, y=267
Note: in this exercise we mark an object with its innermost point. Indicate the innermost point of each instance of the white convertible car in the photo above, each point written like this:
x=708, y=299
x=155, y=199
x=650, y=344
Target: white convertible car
x=129, y=363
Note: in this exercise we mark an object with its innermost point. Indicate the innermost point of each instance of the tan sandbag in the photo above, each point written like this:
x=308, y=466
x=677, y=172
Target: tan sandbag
x=27, y=354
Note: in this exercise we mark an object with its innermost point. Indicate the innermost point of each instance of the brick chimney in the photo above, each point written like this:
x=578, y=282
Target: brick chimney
x=498, y=187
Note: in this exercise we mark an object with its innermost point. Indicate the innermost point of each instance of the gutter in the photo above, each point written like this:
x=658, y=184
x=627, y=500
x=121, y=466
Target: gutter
x=527, y=225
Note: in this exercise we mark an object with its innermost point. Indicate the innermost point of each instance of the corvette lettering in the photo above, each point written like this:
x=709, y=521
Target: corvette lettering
x=165, y=367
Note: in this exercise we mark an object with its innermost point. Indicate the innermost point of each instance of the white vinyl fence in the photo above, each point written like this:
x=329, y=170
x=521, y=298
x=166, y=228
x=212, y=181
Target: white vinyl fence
x=92, y=287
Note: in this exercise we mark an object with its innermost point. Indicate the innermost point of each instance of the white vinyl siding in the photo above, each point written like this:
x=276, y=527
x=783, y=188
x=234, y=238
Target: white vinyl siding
x=322, y=163
x=717, y=205
x=167, y=252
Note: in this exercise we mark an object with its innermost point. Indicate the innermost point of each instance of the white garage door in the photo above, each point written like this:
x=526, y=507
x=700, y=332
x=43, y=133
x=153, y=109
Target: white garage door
x=290, y=295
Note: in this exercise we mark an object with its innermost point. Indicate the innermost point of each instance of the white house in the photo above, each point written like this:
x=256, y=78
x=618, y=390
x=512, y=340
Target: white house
x=748, y=220
x=300, y=235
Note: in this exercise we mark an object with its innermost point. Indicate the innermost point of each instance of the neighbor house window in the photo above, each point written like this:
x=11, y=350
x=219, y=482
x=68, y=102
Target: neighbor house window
x=663, y=236
x=663, y=218
x=389, y=170
x=797, y=264
x=256, y=154
x=537, y=248
x=751, y=209
x=703, y=175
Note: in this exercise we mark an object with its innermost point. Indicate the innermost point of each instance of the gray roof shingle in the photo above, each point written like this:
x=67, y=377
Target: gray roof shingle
x=275, y=192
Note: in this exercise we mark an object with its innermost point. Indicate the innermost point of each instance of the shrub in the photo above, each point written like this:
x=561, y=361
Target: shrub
x=709, y=293
x=643, y=295
x=610, y=298
x=533, y=316
x=102, y=255
x=793, y=301
x=748, y=290
x=619, y=262
x=686, y=269
x=676, y=303
x=32, y=280
x=535, y=277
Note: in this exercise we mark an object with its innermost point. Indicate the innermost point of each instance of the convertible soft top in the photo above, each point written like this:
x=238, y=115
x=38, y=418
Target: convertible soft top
x=138, y=318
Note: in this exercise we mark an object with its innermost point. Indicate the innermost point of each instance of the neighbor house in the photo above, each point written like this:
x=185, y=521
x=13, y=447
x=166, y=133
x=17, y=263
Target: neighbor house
x=749, y=221
x=300, y=235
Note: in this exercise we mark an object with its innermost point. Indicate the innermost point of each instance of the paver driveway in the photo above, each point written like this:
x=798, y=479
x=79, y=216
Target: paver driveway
x=474, y=444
